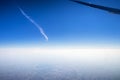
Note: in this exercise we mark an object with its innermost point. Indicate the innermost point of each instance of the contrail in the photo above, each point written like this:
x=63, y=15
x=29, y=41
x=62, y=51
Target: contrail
x=32, y=21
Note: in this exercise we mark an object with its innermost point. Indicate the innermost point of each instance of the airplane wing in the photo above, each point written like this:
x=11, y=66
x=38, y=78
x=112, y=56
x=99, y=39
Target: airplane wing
x=109, y=9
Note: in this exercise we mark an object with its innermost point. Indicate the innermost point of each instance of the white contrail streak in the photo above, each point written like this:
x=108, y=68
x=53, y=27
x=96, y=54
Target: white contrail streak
x=32, y=21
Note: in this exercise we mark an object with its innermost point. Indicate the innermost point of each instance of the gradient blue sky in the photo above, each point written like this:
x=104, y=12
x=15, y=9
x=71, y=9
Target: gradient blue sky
x=64, y=22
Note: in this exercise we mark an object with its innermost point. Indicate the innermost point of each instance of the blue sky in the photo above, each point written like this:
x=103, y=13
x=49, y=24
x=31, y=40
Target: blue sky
x=64, y=22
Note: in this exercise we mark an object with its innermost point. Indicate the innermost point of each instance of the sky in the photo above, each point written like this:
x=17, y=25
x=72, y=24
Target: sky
x=24, y=24
x=63, y=21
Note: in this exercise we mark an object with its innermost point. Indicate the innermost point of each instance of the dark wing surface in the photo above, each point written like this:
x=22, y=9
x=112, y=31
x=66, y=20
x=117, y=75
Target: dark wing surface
x=109, y=9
